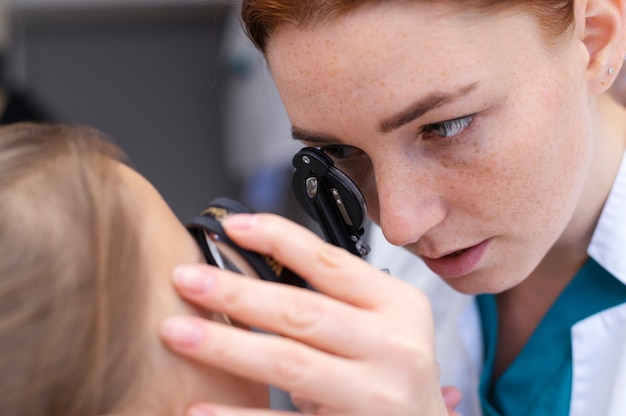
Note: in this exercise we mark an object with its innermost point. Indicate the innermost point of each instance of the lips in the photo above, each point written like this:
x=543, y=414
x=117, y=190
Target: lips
x=458, y=263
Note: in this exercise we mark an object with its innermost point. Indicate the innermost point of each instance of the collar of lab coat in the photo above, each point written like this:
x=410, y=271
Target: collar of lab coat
x=608, y=244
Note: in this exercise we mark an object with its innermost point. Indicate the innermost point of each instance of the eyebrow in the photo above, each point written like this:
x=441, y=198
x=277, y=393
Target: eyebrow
x=304, y=136
x=413, y=112
x=423, y=106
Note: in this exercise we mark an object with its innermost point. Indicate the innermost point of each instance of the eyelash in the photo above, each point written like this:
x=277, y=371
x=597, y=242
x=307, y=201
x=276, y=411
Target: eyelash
x=341, y=152
x=338, y=151
x=457, y=125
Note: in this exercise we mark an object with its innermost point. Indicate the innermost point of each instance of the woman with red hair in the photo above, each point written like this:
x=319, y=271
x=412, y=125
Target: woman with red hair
x=483, y=140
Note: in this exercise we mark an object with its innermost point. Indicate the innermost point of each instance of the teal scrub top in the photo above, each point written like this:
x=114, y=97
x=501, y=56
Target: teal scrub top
x=539, y=381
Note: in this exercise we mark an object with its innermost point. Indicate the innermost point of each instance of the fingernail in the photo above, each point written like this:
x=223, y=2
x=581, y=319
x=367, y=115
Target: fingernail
x=193, y=279
x=197, y=411
x=451, y=396
x=238, y=222
x=183, y=332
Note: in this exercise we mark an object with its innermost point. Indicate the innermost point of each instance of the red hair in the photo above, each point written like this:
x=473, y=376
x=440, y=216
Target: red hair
x=262, y=17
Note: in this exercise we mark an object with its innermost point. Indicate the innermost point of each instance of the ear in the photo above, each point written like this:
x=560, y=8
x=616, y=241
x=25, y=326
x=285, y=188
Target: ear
x=603, y=31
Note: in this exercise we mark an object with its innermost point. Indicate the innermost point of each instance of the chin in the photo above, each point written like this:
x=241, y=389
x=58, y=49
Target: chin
x=478, y=283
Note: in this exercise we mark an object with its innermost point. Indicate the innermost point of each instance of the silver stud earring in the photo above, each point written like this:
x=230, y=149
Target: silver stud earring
x=611, y=71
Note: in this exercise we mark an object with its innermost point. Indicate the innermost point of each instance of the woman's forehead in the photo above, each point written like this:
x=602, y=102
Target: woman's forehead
x=381, y=31
x=378, y=48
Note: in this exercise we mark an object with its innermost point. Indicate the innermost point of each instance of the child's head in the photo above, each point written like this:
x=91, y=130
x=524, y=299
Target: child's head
x=86, y=252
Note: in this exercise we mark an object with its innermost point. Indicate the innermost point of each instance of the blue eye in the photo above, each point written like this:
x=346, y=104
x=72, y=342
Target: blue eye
x=448, y=128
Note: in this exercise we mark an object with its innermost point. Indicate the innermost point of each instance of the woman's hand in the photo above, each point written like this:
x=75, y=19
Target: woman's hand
x=362, y=346
x=451, y=396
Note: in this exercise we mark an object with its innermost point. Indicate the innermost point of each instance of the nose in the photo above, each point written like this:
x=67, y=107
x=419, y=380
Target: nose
x=409, y=204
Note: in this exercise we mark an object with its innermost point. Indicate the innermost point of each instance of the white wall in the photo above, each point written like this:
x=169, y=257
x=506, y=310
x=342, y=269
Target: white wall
x=149, y=77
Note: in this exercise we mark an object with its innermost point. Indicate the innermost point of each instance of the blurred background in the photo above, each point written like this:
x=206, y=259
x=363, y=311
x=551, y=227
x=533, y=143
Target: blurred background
x=173, y=82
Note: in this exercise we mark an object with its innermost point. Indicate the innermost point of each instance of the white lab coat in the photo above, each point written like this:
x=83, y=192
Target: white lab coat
x=598, y=342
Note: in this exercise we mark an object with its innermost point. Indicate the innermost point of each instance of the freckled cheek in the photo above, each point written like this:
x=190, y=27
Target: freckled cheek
x=564, y=151
x=533, y=183
x=495, y=175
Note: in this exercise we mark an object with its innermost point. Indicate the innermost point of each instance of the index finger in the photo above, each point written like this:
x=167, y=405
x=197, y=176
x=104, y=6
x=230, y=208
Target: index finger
x=330, y=269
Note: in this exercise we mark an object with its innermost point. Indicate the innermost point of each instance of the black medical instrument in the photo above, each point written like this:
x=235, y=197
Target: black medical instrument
x=324, y=192
x=221, y=251
x=331, y=199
